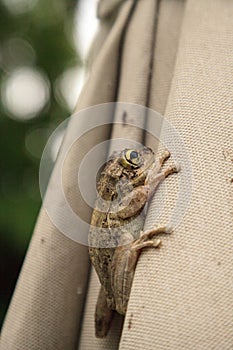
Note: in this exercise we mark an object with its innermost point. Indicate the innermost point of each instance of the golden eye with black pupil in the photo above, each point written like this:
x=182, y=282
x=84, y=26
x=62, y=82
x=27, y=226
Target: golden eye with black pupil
x=132, y=158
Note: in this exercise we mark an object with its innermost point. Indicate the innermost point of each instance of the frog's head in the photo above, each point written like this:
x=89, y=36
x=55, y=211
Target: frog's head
x=129, y=163
x=125, y=169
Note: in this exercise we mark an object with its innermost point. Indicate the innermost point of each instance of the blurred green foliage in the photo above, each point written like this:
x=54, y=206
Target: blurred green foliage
x=47, y=27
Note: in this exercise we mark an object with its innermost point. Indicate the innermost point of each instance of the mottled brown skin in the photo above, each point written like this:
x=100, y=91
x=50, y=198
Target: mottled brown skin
x=114, y=238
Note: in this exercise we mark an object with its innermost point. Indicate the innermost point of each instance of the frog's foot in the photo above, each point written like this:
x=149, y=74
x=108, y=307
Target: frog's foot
x=155, y=231
x=154, y=178
x=146, y=239
x=138, y=245
x=171, y=170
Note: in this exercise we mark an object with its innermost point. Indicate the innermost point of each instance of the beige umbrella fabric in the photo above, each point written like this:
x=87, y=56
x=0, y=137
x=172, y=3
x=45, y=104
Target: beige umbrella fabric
x=175, y=57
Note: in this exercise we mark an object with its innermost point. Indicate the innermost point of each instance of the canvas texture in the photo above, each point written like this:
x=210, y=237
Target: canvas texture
x=175, y=57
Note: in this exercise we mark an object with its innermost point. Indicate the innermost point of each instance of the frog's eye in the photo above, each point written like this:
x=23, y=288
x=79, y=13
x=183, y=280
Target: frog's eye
x=132, y=158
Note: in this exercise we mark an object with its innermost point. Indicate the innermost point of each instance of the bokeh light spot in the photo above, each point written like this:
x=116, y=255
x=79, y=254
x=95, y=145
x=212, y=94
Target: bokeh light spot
x=68, y=86
x=86, y=24
x=17, y=7
x=24, y=93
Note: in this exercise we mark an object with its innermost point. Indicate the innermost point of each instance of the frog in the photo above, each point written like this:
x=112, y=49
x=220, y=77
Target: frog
x=116, y=238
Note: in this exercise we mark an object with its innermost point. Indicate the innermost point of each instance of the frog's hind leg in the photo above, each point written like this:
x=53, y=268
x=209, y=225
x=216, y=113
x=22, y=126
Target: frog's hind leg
x=124, y=263
x=103, y=315
x=125, y=260
x=146, y=239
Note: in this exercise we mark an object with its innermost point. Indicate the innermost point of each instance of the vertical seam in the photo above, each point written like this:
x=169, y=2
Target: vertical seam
x=121, y=49
x=177, y=49
x=151, y=65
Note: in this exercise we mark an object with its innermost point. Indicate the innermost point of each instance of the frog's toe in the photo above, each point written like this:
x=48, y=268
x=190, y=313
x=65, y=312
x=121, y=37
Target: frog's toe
x=156, y=230
x=139, y=245
x=168, y=229
x=177, y=167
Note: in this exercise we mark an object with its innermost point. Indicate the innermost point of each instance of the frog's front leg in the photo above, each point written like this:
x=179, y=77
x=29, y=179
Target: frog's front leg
x=124, y=263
